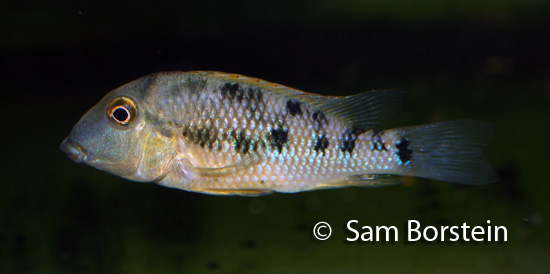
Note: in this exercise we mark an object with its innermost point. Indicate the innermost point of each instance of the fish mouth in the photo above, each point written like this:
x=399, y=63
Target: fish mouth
x=74, y=150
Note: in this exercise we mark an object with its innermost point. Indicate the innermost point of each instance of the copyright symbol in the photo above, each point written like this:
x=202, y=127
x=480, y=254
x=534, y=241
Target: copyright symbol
x=320, y=231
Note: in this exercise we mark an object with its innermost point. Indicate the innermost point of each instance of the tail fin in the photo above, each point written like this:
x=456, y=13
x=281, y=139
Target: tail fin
x=450, y=151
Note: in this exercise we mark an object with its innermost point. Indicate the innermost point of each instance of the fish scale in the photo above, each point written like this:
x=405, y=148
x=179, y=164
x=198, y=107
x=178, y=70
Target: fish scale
x=313, y=164
x=221, y=133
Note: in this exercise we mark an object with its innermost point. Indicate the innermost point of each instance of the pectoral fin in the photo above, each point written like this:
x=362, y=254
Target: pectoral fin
x=245, y=162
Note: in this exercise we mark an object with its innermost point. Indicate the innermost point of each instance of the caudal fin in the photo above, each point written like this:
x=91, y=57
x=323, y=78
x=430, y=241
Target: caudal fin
x=450, y=151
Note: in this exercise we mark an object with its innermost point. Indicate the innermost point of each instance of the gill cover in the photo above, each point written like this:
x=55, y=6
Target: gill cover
x=157, y=155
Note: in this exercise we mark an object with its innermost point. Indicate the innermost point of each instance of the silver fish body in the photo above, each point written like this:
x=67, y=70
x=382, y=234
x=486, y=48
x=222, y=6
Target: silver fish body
x=222, y=133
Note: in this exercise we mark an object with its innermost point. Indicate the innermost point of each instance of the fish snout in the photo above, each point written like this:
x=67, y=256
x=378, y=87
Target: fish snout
x=74, y=150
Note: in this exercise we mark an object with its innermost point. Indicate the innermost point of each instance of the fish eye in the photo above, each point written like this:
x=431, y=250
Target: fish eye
x=122, y=111
x=121, y=115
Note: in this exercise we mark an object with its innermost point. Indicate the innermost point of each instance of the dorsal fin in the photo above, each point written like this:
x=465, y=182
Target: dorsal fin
x=365, y=110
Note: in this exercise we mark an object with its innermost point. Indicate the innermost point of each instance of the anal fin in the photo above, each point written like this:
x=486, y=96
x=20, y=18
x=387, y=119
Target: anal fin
x=241, y=192
x=365, y=180
x=375, y=180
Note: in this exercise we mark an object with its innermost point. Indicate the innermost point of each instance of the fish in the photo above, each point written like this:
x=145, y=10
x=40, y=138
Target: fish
x=228, y=134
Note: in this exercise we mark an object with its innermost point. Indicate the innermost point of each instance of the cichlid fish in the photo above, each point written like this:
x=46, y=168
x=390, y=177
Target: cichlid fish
x=221, y=133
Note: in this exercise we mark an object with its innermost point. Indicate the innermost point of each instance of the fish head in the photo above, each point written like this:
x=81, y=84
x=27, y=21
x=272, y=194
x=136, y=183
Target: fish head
x=119, y=136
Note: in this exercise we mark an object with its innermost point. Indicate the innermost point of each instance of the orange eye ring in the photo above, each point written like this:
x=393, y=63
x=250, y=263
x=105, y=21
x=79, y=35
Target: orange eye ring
x=122, y=111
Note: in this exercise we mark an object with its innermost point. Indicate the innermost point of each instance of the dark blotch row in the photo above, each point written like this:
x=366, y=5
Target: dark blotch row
x=321, y=143
x=319, y=120
x=207, y=136
x=377, y=143
x=348, y=144
x=403, y=151
x=293, y=107
x=277, y=137
x=234, y=91
x=242, y=143
x=201, y=135
x=229, y=90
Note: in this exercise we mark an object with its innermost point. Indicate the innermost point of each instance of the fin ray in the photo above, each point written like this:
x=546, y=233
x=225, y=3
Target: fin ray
x=364, y=180
x=247, y=161
x=375, y=180
x=365, y=110
x=451, y=151
x=241, y=192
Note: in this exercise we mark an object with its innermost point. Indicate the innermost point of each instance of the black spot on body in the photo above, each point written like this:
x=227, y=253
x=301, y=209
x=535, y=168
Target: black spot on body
x=277, y=137
x=293, y=107
x=237, y=139
x=253, y=146
x=376, y=143
x=318, y=116
x=245, y=145
x=195, y=135
x=233, y=91
x=348, y=144
x=224, y=89
x=314, y=115
x=403, y=151
x=259, y=94
x=242, y=143
x=250, y=93
x=319, y=119
x=240, y=95
x=321, y=143
x=204, y=136
x=200, y=135
x=237, y=92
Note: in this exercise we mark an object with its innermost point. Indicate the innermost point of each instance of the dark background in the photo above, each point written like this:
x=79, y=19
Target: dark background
x=482, y=60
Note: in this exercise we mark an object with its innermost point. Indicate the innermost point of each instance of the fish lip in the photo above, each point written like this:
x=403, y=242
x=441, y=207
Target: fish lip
x=74, y=150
